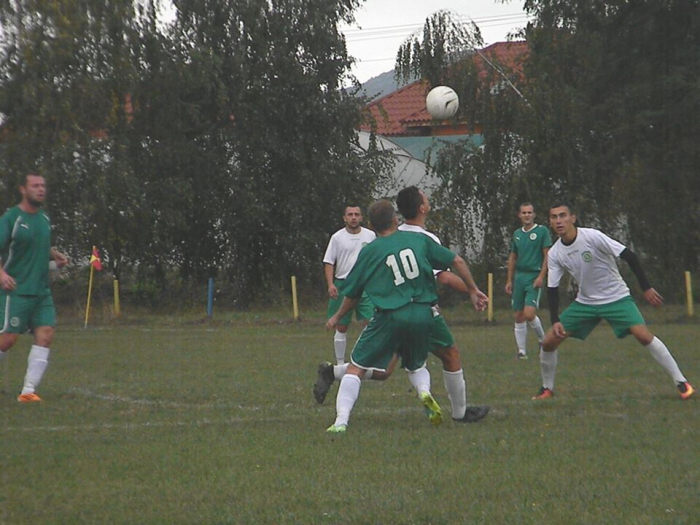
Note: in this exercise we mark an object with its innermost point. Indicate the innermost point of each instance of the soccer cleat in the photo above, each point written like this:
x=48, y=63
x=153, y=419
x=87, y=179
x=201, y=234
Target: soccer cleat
x=324, y=379
x=686, y=390
x=337, y=429
x=28, y=398
x=431, y=408
x=543, y=393
x=473, y=414
x=522, y=355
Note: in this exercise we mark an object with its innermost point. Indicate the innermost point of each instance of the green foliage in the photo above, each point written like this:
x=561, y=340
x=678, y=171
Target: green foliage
x=430, y=54
x=604, y=114
x=220, y=144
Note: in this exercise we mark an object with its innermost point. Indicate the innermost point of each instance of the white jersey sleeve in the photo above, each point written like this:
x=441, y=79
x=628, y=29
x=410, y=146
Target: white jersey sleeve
x=343, y=249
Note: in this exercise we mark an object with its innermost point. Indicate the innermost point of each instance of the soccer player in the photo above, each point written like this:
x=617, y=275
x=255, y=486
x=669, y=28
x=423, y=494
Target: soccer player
x=396, y=272
x=338, y=260
x=25, y=297
x=414, y=205
x=589, y=256
x=527, y=262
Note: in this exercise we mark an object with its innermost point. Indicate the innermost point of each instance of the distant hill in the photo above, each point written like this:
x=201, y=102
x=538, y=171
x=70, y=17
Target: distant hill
x=380, y=85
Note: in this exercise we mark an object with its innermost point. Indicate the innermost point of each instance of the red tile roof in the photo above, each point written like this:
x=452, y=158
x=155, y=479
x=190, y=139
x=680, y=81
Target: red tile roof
x=403, y=112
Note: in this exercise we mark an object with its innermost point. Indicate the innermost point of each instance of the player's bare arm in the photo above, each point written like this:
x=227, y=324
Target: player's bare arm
x=59, y=258
x=539, y=281
x=479, y=299
x=328, y=270
x=512, y=258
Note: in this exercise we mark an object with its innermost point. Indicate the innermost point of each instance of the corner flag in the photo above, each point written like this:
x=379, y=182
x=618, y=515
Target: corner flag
x=95, y=261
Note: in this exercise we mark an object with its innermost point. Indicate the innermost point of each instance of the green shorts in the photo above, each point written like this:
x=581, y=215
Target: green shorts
x=579, y=320
x=20, y=313
x=406, y=332
x=524, y=293
x=440, y=336
x=363, y=311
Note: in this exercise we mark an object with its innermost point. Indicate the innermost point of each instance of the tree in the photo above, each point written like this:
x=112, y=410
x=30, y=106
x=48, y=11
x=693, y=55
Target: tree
x=219, y=144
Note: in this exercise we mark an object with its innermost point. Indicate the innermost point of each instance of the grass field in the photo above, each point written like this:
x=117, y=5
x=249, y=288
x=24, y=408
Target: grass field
x=178, y=421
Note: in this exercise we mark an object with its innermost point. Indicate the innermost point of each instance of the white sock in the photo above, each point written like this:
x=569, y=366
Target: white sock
x=348, y=392
x=339, y=344
x=420, y=379
x=456, y=388
x=520, y=330
x=36, y=365
x=2, y=355
x=340, y=370
x=548, y=368
x=664, y=358
x=536, y=326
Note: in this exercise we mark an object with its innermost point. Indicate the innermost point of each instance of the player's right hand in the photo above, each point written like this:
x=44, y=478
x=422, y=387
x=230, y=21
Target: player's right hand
x=331, y=323
x=333, y=291
x=7, y=283
x=509, y=288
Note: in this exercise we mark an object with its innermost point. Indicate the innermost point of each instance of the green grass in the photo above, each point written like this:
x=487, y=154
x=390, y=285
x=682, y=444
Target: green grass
x=214, y=422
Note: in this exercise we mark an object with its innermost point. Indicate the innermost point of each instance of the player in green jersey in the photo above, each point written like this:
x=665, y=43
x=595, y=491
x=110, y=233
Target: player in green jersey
x=414, y=205
x=527, y=267
x=396, y=272
x=25, y=297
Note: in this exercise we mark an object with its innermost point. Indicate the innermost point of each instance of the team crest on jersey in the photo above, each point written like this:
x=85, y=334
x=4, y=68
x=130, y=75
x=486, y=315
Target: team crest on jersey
x=533, y=236
x=14, y=322
x=587, y=257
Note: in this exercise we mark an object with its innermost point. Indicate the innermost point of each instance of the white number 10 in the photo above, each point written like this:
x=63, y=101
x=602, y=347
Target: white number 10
x=409, y=263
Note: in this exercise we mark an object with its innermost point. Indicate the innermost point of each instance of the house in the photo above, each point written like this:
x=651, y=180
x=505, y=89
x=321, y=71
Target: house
x=404, y=127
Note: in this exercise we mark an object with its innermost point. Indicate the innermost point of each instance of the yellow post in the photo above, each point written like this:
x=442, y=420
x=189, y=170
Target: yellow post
x=295, y=306
x=490, y=294
x=689, y=293
x=117, y=311
x=87, y=308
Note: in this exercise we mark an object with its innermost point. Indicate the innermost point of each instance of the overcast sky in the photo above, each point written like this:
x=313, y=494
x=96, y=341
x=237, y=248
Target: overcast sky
x=382, y=25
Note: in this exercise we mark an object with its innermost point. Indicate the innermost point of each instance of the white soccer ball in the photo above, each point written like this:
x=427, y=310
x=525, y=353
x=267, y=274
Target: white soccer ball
x=442, y=102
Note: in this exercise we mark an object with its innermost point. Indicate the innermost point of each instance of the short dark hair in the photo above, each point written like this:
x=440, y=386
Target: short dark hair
x=562, y=202
x=24, y=178
x=409, y=201
x=526, y=203
x=381, y=215
x=345, y=208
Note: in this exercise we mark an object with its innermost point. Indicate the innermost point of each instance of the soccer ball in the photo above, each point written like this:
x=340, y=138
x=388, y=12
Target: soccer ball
x=442, y=102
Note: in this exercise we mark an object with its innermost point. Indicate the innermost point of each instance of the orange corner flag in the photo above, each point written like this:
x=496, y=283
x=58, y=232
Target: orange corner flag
x=95, y=261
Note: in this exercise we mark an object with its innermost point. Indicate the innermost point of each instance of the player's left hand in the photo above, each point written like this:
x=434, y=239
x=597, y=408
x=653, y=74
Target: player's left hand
x=538, y=283
x=653, y=297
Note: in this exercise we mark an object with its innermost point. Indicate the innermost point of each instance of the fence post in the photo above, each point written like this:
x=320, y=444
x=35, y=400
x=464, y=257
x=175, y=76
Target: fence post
x=210, y=298
x=689, y=293
x=295, y=305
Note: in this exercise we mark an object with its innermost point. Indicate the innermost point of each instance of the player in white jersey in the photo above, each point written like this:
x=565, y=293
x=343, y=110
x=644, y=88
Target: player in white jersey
x=414, y=206
x=589, y=256
x=341, y=255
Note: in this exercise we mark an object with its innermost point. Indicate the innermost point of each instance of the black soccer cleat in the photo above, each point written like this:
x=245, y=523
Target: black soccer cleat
x=473, y=414
x=324, y=379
